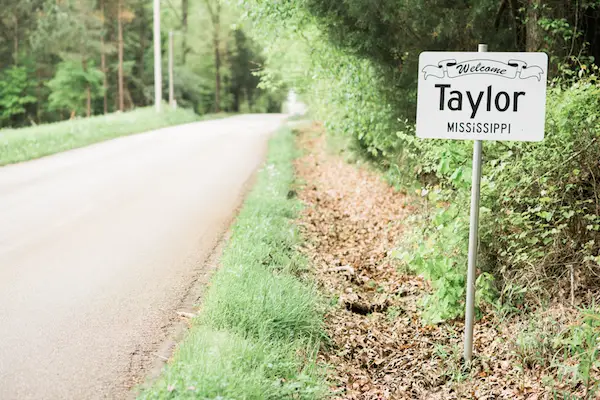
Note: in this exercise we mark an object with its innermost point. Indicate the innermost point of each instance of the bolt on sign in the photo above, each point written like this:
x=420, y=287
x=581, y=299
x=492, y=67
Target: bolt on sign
x=482, y=96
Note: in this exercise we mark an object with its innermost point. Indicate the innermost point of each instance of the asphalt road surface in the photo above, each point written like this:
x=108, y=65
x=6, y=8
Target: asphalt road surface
x=99, y=245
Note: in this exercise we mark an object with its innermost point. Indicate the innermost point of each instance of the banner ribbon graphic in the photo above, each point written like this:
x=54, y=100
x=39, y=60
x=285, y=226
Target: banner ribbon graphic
x=510, y=70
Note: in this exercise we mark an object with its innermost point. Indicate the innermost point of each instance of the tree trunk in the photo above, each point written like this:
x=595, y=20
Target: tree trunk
x=38, y=94
x=103, y=59
x=217, y=44
x=89, y=100
x=88, y=91
x=215, y=18
x=518, y=26
x=16, y=41
x=120, y=51
x=185, y=5
x=142, y=51
x=534, y=31
x=217, y=78
x=130, y=103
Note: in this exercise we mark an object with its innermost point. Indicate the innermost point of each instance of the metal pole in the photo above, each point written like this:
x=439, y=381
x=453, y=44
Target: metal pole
x=157, y=58
x=473, y=244
x=171, y=87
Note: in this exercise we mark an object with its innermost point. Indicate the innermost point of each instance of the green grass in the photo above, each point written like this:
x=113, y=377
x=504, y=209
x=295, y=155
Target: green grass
x=260, y=325
x=17, y=145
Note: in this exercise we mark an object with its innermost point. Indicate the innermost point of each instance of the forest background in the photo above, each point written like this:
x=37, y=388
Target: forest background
x=65, y=58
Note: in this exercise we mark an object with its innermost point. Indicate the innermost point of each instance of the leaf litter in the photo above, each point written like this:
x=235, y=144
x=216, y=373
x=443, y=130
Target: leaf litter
x=380, y=348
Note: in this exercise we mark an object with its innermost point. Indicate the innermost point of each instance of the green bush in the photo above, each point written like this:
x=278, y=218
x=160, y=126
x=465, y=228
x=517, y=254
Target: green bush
x=540, y=204
x=544, y=199
x=569, y=353
x=70, y=86
x=16, y=94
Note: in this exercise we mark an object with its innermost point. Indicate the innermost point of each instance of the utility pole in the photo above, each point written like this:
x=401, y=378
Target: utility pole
x=157, y=58
x=171, y=62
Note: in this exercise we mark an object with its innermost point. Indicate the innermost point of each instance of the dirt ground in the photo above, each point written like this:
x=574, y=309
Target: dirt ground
x=380, y=348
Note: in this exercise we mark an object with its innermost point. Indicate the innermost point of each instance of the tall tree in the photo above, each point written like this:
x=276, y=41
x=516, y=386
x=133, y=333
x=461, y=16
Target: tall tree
x=71, y=30
x=120, y=51
x=81, y=57
x=143, y=30
x=124, y=15
x=185, y=9
x=214, y=10
x=103, y=55
x=244, y=58
x=17, y=21
x=534, y=30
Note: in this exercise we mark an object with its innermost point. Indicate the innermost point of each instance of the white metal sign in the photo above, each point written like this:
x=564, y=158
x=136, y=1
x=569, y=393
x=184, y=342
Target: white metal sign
x=482, y=96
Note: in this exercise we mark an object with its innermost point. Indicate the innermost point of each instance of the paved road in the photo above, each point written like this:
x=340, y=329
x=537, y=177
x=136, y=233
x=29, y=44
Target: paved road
x=98, y=246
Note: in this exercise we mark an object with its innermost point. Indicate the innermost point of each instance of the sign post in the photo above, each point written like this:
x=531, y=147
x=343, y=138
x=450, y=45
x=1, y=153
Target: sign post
x=473, y=243
x=480, y=96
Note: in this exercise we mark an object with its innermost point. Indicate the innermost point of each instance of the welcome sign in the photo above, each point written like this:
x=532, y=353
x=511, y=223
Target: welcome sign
x=482, y=96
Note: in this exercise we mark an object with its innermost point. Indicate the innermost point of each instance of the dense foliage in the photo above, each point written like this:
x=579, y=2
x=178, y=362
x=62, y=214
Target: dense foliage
x=355, y=63
x=540, y=217
x=60, y=59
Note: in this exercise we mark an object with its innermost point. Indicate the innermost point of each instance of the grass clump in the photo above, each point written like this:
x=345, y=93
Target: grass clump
x=213, y=364
x=261, y=325
x=17, y=145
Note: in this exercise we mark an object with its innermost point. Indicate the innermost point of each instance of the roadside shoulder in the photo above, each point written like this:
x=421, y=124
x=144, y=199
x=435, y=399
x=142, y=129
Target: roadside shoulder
x=261, y=324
